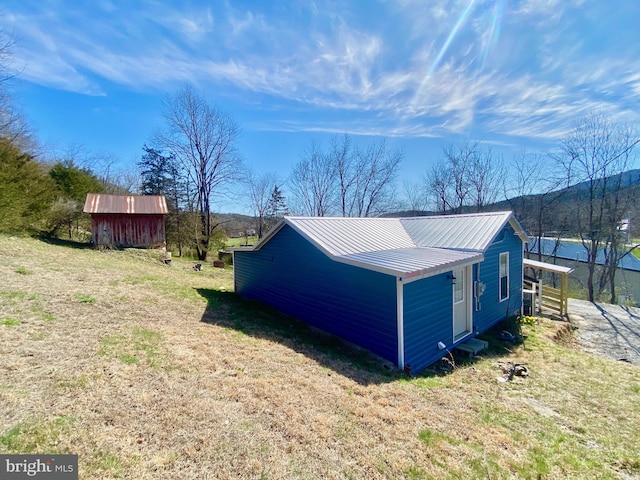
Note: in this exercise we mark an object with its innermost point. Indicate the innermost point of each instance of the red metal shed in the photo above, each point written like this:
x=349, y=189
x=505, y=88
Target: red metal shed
x=127, y=220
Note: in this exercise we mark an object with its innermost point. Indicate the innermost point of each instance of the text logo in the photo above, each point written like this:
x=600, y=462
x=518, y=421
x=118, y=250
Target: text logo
x=41, y=467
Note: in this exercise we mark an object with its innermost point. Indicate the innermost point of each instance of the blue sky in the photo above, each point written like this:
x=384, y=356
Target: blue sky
x=419, y=73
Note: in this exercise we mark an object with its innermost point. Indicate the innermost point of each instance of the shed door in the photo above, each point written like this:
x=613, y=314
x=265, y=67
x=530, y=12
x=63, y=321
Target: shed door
x=461, y=302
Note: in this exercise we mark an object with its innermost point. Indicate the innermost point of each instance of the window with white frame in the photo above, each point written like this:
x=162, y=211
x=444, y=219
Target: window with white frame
x=504, y=276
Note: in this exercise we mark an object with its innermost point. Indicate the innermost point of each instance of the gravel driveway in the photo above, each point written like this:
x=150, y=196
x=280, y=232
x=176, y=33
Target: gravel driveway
x=609, y=330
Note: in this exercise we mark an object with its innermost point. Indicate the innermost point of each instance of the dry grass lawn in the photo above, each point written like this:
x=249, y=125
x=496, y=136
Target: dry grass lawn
x=153, y=372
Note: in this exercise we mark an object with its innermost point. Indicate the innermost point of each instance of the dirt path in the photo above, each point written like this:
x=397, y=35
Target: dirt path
x=609, y=330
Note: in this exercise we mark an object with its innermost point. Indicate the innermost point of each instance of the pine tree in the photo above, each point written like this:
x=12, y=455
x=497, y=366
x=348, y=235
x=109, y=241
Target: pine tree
x=26, y=191
x=277, y=207
x=161, y=175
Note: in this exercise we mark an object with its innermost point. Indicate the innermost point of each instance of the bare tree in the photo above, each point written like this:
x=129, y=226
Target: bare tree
x=312, y=183
x=438, y=181
x=376, y=170
x=522, y=183
x=415, y=196
x=346, y=180
x=116, y=179
x=594, y=154
x=203, y=139
x=621, y=198
x=13, y=126
x=342, y=155
x=533, y=190
x=485, y=175
x=260, y=187
x=466, y=177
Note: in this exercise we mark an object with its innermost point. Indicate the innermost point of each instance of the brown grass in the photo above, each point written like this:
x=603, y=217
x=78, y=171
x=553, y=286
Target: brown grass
x=148, y=371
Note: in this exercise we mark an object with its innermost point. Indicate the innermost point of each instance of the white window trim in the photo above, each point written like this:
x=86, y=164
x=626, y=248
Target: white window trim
x=502, y=299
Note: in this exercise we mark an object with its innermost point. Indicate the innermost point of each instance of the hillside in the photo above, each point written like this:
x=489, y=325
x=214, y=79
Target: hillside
x=235, y=224
x=153, y=371
x=559, y=206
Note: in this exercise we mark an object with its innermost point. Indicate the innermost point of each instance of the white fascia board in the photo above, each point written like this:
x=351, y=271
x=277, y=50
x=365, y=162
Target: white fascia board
x=513, y=221
x=518, y=229
x=432, y=272
x=367, y=266
x=408, y=277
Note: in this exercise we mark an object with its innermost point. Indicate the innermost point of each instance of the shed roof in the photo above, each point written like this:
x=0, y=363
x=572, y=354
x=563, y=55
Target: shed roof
x=406, y=247
x=549, y=267
x=571, y=250
x=130, y=204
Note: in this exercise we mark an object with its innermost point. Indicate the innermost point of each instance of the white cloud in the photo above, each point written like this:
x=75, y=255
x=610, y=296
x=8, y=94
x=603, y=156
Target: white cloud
x=534, y=83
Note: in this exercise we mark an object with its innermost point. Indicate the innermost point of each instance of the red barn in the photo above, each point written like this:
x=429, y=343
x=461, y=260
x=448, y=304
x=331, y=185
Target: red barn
x=127, y=220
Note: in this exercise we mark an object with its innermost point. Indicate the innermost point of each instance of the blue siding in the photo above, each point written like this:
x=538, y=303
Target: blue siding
x=428, y=319
x=295, y=277
x=492, y=310
x=359, y=305
x=428, y=303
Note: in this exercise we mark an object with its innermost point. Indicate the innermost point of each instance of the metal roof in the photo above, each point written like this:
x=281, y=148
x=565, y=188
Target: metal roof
x=407, y=247
x=412, y=262
x=343, y=236
x=130, y=204
x=549, y=267
x=461, y=232
x=575, y=251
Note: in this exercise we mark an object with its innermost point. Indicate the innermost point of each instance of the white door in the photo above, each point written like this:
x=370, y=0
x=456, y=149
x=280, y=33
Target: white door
x=461, y=302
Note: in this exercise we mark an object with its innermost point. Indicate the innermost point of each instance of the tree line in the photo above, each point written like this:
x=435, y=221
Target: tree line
x=574, y=190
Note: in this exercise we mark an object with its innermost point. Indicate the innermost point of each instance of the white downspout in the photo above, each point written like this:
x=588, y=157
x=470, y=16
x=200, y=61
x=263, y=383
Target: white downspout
x=400, y=321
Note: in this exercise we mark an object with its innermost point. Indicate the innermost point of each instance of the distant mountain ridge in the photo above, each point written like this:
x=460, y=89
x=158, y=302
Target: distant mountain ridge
x=234, y=223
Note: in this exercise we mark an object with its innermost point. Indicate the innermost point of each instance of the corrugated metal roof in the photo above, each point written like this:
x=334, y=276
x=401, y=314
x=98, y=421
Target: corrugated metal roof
x=461, y=232
x=412, y=262
x=408, y=247
x=343, y=236
x=131, y=204
x=549, y=267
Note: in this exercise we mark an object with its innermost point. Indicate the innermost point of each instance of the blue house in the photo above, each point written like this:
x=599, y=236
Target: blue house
x=404, y=288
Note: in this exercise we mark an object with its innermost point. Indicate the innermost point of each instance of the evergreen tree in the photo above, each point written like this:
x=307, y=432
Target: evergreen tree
x=277, y=207
x=156, y=170
x=26, y=191
x=161, y=175
x=73, y=182
x=72, y=185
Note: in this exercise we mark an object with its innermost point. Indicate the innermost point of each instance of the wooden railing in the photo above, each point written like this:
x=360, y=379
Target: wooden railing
x=547, y=297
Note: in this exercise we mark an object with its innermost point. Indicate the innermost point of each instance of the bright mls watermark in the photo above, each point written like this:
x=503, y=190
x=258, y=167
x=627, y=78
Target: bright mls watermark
x=42, y=467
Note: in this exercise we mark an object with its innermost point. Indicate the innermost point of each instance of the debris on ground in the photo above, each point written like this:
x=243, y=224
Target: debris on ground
x=507, y=336
x=511, y=370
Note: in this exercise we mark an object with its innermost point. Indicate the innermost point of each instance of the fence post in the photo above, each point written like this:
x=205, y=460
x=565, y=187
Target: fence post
x=564, y=293
x=540, y=296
